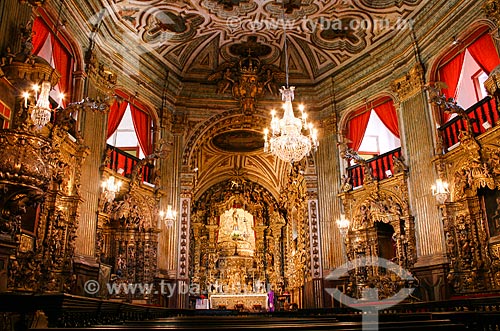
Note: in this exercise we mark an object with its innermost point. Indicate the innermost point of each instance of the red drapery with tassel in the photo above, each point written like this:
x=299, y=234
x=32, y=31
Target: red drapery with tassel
x=142, y=125
x=40, y=33
x=387, y=114
x=115, y=116
x=63, y=65
x=450, y=74
x=357, y=128
x=484, y=52
x=61, y=57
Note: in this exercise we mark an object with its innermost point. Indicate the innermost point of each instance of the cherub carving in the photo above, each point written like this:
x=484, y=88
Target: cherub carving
x=399, y=165
x=271, y=76
x=224, y=77
x=346, y=185
x=7, y=58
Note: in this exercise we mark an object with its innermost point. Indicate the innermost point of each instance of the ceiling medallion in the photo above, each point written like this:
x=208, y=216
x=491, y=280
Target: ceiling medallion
x=239, y=141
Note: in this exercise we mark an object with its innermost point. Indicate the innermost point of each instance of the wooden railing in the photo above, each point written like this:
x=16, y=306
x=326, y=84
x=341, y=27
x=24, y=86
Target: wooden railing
x=122, y=162
x=379, y=165
x=485, y=111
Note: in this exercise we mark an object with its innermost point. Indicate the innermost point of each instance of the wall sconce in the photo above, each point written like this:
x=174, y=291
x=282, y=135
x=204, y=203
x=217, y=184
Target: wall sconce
x=110, y=187
x=441, y=191
x=168, y=217
x=40, y=111
x=343, y=225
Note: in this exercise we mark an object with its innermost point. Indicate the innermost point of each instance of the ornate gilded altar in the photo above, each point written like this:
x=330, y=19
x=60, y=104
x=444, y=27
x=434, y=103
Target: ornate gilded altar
x=249, y=302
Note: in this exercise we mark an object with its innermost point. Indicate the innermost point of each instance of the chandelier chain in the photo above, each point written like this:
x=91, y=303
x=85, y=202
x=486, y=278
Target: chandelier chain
x=287, y=140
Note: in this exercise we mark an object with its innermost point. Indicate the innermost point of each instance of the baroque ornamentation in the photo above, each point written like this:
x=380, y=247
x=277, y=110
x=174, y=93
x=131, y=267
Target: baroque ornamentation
x=193, y=29
x=466, y=242
x=491, y=9
x=472, y=172
x=247, y=79
x=410, y=84
x=349, y=154
x=381, y=225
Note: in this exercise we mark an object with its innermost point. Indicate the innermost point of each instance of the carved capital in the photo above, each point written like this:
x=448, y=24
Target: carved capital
x=179, y=124
x=491, y=9
x=492, y=84
x=410, y=84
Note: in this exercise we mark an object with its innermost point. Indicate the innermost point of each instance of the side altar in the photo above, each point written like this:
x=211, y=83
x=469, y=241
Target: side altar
x=247, y=301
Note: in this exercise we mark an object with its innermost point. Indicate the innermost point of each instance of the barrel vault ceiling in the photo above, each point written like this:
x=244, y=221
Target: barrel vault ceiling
x=194, y=37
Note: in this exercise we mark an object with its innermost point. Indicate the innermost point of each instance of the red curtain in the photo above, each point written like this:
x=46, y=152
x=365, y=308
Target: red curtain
x=40, y=34
x=115, y=116
x=450, y=74
x=63, y=65
x=142, y=125
x=387, y=114
x=484, y=52
x=357, y=128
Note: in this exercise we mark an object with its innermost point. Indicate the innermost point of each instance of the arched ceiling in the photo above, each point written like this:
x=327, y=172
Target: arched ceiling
x=194, y=37
x=229, y=147
x=197, y=39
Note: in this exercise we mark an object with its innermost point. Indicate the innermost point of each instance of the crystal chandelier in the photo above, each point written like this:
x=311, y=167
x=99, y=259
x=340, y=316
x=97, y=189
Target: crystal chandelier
x=41, y=112
x=287, y=140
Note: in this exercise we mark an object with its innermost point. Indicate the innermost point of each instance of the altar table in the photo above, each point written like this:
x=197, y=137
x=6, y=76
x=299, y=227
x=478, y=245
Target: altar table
x=257, y=301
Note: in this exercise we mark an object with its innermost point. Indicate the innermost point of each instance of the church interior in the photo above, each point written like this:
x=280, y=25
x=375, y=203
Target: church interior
x=249, y=157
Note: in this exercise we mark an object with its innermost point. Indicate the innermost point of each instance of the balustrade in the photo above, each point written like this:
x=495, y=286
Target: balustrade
x=123, y=163
x=483, y=115
x=380, y=165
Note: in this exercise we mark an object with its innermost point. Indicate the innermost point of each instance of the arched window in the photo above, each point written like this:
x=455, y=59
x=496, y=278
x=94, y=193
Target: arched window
x=130, y=126
x=465, y=69
x=373, y=129
x=373, y=132
x=50, y=44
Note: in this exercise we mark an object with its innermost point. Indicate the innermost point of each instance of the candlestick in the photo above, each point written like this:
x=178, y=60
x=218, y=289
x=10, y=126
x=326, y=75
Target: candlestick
x=61, y=97
x=26, y=95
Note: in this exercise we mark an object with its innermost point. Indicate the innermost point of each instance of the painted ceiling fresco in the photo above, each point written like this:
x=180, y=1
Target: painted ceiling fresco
x=195, y=37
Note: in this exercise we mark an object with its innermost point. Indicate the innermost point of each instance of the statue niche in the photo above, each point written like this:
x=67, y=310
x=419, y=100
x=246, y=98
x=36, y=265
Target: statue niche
x=236, y=236
x=235, y=248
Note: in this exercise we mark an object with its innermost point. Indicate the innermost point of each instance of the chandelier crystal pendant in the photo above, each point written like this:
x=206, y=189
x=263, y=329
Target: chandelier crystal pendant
x=288, y=140
x=40, y=115
x=41, y=111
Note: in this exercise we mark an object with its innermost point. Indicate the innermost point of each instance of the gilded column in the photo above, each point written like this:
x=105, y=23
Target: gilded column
x=329, y=205
x=259, y=250
x=93, y=127
x=183, y=248
x=167, y=240
x=172, y=134
x=418, y=145
x=195, y=260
